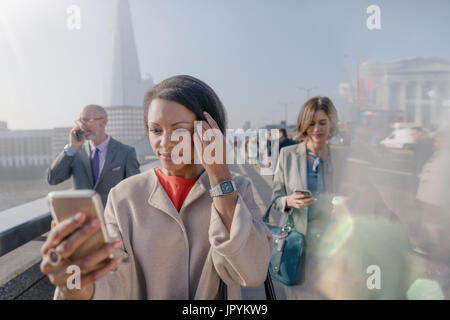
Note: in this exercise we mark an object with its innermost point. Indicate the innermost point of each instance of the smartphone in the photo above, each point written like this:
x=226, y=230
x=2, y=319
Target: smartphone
x=65, y=204
x=306, y=193
x=78, y=134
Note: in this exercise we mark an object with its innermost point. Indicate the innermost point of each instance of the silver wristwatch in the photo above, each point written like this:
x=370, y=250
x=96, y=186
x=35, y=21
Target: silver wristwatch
x=223, y=188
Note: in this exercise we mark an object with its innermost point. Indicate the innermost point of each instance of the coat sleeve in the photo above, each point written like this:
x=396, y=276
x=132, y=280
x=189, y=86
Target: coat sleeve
x=241, y=256
x=132, y=164
x=121, y=284
x=279, y=183
x=60, y=170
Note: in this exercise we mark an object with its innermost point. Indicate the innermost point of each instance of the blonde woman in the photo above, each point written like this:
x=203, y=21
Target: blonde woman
x=308, y=166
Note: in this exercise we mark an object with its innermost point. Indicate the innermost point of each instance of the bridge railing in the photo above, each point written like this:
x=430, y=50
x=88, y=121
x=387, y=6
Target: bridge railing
x=23, y=223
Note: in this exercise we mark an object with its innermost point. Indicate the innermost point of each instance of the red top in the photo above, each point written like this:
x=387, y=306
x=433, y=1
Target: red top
x=177, y=188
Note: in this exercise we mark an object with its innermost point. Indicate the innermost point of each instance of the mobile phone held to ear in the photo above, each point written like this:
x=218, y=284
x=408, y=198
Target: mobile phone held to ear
x=78, y=134
x=306, y=193
x=65, y=204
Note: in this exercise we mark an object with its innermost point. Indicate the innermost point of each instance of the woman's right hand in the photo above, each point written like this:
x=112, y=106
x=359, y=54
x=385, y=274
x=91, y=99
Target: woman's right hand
x=65, y=238
x=299, y=200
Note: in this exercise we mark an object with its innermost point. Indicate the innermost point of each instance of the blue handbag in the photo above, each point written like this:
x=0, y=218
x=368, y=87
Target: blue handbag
x=287, y=251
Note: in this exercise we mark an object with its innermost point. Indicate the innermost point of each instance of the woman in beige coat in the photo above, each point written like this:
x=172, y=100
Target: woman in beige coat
x=175, y=240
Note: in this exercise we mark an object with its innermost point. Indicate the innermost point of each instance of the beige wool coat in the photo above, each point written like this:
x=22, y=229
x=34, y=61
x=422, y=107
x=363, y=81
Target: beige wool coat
x=181, y=255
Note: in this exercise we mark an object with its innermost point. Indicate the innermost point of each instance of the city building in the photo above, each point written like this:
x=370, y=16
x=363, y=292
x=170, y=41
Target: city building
x=125, y=87
x=410, y=90
x=30, y=148
x=125, y=94
x=60, y=137
x=25, y=148
x=126, y=123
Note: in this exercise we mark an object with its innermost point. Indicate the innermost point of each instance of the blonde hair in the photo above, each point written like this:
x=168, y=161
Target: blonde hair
x=306, y=115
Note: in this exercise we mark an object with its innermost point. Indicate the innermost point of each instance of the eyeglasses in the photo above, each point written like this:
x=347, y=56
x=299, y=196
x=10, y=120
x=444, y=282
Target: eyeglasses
x=86, y=121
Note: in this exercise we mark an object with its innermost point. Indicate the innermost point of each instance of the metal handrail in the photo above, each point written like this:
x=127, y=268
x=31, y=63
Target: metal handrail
x=23, y=224
x=28, y=221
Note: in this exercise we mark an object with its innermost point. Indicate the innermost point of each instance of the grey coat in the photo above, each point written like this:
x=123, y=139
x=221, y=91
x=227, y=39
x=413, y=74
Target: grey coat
x=120, y=163
x=291, y=175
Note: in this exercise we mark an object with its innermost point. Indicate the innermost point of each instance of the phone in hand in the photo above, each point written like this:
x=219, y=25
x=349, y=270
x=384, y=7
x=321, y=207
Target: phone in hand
x=65, y=204
x=79, y=133
x=306, y=193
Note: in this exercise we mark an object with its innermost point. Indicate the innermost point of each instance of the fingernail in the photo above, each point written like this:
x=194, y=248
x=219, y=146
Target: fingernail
x=78, y=216
x=94, y=223
x=117, y=244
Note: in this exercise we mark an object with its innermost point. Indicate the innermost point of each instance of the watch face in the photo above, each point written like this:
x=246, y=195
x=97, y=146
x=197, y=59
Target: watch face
x=227, y=187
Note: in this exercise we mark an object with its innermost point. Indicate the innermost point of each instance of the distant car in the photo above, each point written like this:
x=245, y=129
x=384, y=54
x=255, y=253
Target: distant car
x=403, y=125
x=399, y=139
x=342, y=138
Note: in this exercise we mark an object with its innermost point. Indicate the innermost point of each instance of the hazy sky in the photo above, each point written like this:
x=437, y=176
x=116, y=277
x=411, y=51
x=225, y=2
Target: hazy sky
x=254, y=53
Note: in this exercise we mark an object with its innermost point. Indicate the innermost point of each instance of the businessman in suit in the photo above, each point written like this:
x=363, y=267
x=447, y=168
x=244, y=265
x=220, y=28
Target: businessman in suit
x=98, y=165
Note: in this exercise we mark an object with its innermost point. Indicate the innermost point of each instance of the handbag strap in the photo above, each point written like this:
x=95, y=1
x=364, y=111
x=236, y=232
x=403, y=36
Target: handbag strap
x=223, y=290
x=268, y=288
x=290, y=219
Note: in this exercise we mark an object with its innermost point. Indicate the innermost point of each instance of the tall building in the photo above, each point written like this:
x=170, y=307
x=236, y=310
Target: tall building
x=31, y=148
x=126, y=123
x=413, y=90
x=125, y=94
x=125, y=87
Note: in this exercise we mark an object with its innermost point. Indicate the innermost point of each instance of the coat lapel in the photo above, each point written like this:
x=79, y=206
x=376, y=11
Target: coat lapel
x=302, y=165
x=160, y=200
x=301, y=220
x=198, y=189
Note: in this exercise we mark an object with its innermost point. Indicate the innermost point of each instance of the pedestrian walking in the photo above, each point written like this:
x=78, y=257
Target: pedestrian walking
x=181, y=228
x=308, y=166
x=284, y=140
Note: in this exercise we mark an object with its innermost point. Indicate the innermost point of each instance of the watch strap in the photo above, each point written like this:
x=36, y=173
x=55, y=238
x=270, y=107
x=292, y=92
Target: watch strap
x=217, y=190
x=69, y=151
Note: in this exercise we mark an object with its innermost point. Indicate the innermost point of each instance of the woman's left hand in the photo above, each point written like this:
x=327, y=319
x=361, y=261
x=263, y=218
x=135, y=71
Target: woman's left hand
x=214, y=150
